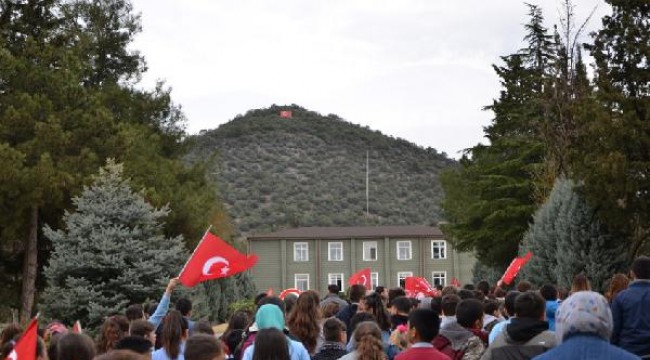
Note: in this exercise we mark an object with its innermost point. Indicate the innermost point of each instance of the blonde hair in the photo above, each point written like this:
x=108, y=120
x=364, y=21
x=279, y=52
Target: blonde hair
x=367, y=336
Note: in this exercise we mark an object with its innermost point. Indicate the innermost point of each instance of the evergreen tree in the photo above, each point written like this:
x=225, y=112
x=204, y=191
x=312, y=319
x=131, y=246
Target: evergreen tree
x=111, y=253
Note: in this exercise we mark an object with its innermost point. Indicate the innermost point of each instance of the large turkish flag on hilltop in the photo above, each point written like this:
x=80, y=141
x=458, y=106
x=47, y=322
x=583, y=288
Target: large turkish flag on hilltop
x=25, y=348
x=361, y=278
x=213, y=258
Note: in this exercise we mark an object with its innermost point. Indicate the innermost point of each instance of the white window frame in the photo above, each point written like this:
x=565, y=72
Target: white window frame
x=330, y=248
x=304, y=277
x=374, y=280
x=333, y=277
x=295, y=251
x=442, y=245
x=410, y=249
x=435, y=274
x=367, y=245
x=403, y=275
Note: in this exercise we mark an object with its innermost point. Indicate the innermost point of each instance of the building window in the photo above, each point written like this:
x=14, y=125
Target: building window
x=300, y=251
x=374, y=280
x=404, y=250
x=335, y=251
x=369, y=251
x=401, y=277
x=438, y=249
x=439, y=278
x=301, y=282
x=335, y=279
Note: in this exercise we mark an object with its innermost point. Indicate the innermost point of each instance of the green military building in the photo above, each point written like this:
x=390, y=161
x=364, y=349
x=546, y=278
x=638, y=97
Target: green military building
x=313, y=257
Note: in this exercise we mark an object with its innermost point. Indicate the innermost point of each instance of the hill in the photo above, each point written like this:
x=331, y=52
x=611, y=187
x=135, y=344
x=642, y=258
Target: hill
x=311, y=170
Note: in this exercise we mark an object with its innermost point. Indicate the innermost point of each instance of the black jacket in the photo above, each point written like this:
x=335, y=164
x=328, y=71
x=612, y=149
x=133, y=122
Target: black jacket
x=330, y=351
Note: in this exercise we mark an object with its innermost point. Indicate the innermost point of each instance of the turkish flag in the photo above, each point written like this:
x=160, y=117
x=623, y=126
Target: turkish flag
x=291, y=291
x=514, y=267
x=361, y=278
x=25, y=348
x=286, y=114
x=415, y=285
x=213, y=258
x=455, y=283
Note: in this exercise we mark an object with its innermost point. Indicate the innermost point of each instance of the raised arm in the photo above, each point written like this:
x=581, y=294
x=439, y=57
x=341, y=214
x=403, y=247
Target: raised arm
x=163, y=305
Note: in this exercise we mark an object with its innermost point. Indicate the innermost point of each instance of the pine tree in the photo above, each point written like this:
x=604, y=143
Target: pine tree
x=111, y=253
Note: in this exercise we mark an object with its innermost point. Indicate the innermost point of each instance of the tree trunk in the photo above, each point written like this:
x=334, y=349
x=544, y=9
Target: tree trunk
x=30, y=268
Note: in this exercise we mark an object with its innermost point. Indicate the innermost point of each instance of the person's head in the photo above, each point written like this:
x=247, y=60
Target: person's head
x=401, y=305
x=134, y=312
x=383, y=292
x=184, y=306
x=562, y=293
x=585, y=312
x=9, y=332
x=394, y=293
x=367, y=337
x=580, y=283
x=289, y=302
x=174, y=332
x=548, y=292
x=447, y=290
x=122, y=355
x=259, y=297
x=271, y=344
x=111, y=332
x=360, y=317
x=150, y=308
x=530, y=305
x=466, y=294
x=484, y=287
x=202, y=327
x=144, y=329
x=469, y=287
x=136, y=344
x=269, y=316
x=203, y=347
x=238, y=321
x=499, y=293
x=641, y=268
x=524, y=286
x=304, y=320
x=272, y=300
x=333, y=289
x=469, y=314
x=330, y=309
x=75, y=347
x=423, y=325
x=373, y=304
x=491, y=307
x=509, y=302
x=618, y=283
x=231, y=339
x=449, y=304
x=357, y=292
x=334, y=330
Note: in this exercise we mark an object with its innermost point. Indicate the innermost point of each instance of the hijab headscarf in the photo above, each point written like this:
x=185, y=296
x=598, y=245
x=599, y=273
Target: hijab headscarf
x=584, y=312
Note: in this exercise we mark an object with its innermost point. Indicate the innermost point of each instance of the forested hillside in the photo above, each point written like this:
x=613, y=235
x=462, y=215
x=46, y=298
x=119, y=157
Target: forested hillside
x=311, y=170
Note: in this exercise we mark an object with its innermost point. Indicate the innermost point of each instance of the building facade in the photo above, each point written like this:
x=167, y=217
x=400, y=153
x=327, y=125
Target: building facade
x=314, y=257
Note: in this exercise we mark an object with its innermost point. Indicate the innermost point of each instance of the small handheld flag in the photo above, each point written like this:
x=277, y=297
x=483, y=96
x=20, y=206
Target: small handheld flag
x=25, y=348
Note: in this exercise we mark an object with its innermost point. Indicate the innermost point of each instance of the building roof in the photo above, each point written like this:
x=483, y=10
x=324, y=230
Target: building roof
x=351, y=232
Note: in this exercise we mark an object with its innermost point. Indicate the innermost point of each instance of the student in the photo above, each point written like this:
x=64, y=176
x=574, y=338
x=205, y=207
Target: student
x=271, y=344
x=75, y=347
x=143, y=329
x=335, y=339
x=333, y=297
x=357, y=292
x=448, y=306
x=367, y=343
x=271, y=316
x=113, y=329
x=304, y=321
x=509, y=307
x=136, y=344
x=174, y=334
x=203, y=347
x=549, y=293
x=136, y=311
x=464, y=339
x=400, y=312
x=423, y=327
x=184, y=306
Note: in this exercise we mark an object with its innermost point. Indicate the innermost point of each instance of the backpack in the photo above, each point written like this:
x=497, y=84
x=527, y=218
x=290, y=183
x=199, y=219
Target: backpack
x=473, y=351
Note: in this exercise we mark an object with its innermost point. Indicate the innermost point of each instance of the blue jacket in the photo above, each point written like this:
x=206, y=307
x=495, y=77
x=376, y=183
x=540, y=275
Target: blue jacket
x=631, y=313
x=551, y=309
x=586, y=347
x=346, y=314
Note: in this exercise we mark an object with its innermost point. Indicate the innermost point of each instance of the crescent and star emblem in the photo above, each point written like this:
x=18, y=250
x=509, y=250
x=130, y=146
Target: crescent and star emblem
x=365, y=279
x=210, y=263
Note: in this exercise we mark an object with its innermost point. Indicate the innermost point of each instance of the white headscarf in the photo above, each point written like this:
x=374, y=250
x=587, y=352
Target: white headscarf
x=584, y=312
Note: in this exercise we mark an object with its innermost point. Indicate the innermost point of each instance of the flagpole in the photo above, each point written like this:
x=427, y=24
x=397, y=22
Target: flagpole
x=197, y=246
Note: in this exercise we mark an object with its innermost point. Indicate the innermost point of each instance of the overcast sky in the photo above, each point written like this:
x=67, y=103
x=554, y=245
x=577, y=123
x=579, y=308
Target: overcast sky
x=414, y=69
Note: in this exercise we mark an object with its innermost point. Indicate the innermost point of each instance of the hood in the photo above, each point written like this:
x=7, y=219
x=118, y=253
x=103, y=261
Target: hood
x=457, y=335
x=521, y=330
x=269, y=316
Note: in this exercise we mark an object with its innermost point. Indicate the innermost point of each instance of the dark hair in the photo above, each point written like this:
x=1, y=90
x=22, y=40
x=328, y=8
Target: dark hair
x=150, y=308
x=484, y=287
x=330, y=309
x=289, y=302
x=271, y=344
x=468, y=312
x=358, y=318
x=173, y=329
x=562, y=293
x=509, y=302
x=134, y=343
x=134, y=312
x=530, y=305
x=449, y=304
x=40, y=347
x=367, y=337
x=641, y=268
x=548, y=292
x=259, y=297
x=9, y=333
x=426, y=323
x=304, y=320
x=524, y=286
x=332, y=329
x=469, y=287
x=73, y=346
x=238, y=321
x=490, y=306
x=232, y=339
x=202, y=327
x=52, y=347
x=449, y=289
x=499, y=292
x=112, y=330
x=402, y=304
x=119, y=355
x=274, y=300
x=580, y=283
x=394, y=293
x=380, y=289
x=141, y=328
x=184, y=306
x=357, y=292
x=466, y=294
x=377, y=308
x=436, y=305
x=333, y=289
x=202, y=347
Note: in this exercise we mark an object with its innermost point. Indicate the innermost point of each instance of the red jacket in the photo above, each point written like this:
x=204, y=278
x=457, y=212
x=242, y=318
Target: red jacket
x=428, y=353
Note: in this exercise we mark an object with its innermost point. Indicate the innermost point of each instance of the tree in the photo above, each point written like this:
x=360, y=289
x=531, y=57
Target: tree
x=111, y=253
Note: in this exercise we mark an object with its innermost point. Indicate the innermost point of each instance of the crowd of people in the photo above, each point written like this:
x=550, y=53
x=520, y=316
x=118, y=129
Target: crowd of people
x=474, y=322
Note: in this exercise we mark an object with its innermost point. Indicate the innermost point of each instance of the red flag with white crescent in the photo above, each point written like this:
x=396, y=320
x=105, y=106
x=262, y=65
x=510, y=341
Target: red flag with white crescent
x=361, y=277
x=25, y=348
x=291, y=291
x=213, y=258
x=415, y=285
x=514, y=267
